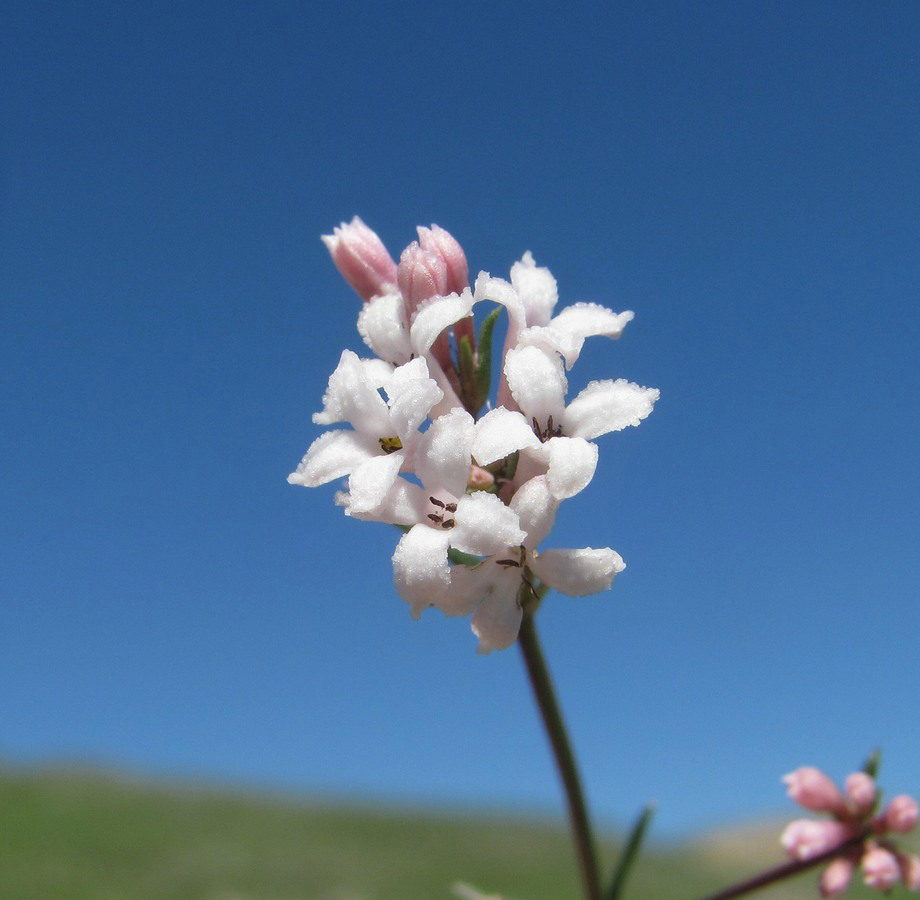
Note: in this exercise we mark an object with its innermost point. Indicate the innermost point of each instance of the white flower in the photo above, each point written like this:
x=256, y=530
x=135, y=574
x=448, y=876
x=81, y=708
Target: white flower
x=385, y=328
x=491, y=590
x=530, y=300
x=557, y=436
x=384, y=431
x=440, y=514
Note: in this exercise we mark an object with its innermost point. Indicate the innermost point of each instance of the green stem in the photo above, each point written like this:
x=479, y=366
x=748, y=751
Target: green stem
x=562, y=750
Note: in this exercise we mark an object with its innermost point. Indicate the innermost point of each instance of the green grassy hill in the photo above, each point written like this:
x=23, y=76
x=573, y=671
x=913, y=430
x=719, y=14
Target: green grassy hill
x=94, y=837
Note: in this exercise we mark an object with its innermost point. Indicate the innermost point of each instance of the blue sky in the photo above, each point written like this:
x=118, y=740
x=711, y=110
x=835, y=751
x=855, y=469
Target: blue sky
x=743, y=176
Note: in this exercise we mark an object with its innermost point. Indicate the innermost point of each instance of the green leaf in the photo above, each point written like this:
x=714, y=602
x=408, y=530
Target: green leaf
x=630, y=852
x=873, y=763
x=484, y=362
x=462, y=559
x=465, y=359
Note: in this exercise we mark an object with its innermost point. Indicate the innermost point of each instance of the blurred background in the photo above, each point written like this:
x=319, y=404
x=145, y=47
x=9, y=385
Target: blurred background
x=743, y=176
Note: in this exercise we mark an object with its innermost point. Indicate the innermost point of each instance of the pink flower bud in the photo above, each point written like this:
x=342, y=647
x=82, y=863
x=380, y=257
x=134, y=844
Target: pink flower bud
x=880, y=868
x=480, y=479
x=861, y=791
x=807, y=838
x=901, y=814
x=910, y=871
x=442, y=243
x=361, y=257
x=811, y=788
x=421, y=275
x=836, y=878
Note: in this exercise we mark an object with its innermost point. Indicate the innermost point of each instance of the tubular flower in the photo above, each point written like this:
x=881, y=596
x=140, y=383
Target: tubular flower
x=493, y=588
x=384, y=431
x=475, y=499
x=854, y=830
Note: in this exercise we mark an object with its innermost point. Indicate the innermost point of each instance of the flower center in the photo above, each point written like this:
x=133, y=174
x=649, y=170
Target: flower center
x=546, y=433
x=390, y=444
x=444, y=510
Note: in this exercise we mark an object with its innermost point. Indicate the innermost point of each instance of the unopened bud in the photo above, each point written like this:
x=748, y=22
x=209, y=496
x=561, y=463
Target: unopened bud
x=807, y=838
x=811, y=788
x=880, y=868
x=910, y=871
x=901, y=814
x=836, y=878
x=361, y=257
x=480, y=479
x=421, y=275
x=442, y=243
x=861, y=791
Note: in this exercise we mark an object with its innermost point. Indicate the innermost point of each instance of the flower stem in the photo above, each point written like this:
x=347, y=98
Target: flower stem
x=562, y=750
x=786, y=870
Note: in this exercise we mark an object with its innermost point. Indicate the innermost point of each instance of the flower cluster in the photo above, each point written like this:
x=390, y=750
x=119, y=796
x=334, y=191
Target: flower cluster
x=856, y=827
x=475, y=496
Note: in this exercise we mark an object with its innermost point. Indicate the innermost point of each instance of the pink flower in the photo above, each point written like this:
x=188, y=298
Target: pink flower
x=361, y=257
x=901, y=814
x=861, y=792
x=910, y=871
x=811, y=788
x=836, y=877
x=807, y=838
x=421, y=275
x=880, y=868
x=443, y=244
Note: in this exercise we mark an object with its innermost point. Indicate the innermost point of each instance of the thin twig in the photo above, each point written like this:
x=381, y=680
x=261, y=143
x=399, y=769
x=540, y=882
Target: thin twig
x=787, y=870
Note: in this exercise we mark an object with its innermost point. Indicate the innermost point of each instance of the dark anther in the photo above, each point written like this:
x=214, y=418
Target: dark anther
x=550, y=431
x=435, y=518
x=451, y=507
x=437, y=502
x=390, y=444
x=448, y=524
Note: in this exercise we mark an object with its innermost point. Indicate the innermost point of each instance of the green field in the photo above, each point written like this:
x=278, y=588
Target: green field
x=97, y=837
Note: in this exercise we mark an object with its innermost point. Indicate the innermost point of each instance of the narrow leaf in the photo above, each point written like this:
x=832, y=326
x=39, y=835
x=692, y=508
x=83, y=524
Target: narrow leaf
x=872, y=764
x=484, y=362
x=630, y=853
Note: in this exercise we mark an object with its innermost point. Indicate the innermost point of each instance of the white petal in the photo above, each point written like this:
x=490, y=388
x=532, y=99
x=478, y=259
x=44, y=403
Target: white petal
x=584, y=320
x=608, y=406
x=379, y=373
x=412, y=393
x=404, y=504
x=351, y=397
x=443, y=453
x=500, y=432
x=537, y=289
x=551, y=340
x=538, y=383
x=470, y=585
x=485, y=525
x=572, y=462
x=382, y=324
x=420, y=567
x=497, y=621
x=369, y=483
x=332, y=455
x=578, y=572
x=536, y=508
x=500, y=291
x=436, y=314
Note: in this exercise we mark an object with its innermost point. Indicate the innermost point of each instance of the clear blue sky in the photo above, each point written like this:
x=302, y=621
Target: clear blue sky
x=742, y=175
